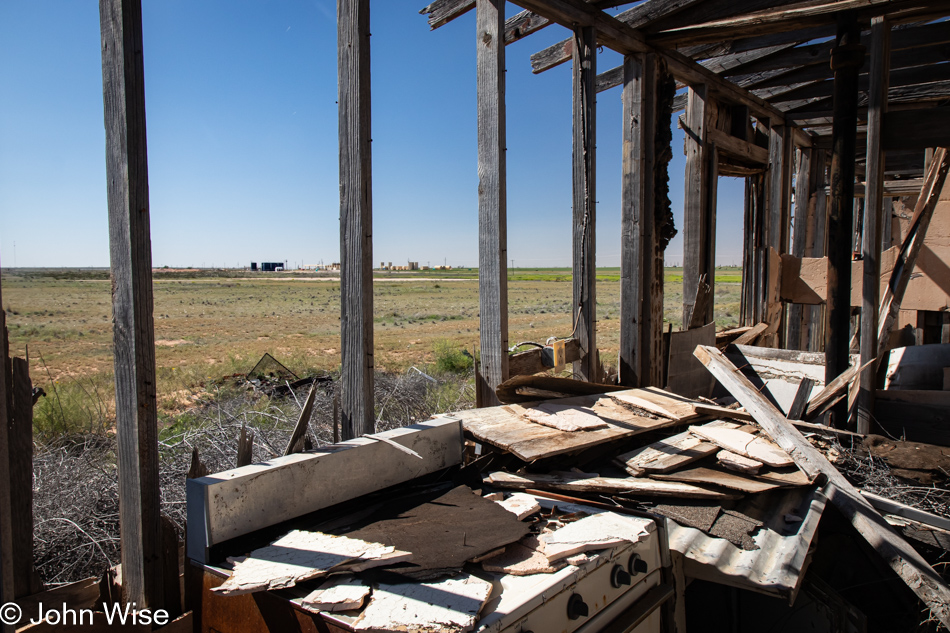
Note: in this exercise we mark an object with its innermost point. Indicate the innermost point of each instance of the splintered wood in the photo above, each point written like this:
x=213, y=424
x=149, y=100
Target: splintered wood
x=299, y=556
x=585, y=483
x=426, y=607
x=670, y=453
x=745, y=444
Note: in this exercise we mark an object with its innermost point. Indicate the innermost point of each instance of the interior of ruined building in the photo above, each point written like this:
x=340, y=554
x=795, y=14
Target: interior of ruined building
x=717, y=480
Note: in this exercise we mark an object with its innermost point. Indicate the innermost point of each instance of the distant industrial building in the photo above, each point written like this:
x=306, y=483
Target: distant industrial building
x=268, y=267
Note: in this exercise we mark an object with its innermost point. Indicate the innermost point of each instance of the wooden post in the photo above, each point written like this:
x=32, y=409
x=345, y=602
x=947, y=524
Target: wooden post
x=20, y=426
x=777, y=220
x=492, y=199
x=846, y=59
x=873, y=218
x=585, y=201
x=799, y=239
x=356, y=218
x=7, y=564
x=695, y=197
x=817, y=245
x=638, y=221
x=123, y=89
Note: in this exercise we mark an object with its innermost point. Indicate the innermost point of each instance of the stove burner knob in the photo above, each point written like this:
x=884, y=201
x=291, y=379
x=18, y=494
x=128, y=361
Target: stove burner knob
x=576, y=607
x=619, y=576
x=637, y=565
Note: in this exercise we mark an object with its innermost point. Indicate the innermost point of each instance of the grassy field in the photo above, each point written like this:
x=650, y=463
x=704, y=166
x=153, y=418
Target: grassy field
x=210, y=324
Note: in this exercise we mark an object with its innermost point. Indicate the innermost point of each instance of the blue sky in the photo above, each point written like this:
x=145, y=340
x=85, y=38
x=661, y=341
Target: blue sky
x=242, y=139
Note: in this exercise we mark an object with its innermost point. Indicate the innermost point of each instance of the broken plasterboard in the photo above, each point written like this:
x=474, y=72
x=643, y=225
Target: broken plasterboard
x=523, y=558
x=339, y=593
x=745, y=444
x=521, y=505
x=594, y=532
x=299, y=556
x=450, y=605
x=563, y=417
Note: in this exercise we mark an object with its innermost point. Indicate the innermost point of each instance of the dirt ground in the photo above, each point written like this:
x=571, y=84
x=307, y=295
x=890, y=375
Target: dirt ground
x=209, y=326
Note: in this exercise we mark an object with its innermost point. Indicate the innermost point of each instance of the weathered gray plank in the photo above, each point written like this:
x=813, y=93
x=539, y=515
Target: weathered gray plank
x=800, y=219
x=695, y=195
x=356, y=217
x=492, y=198
x=901, y=557
x=873, y=210
x=637, y=223
x=20, y=426
x=7, y=564
x=584, y=311
x=123, y=88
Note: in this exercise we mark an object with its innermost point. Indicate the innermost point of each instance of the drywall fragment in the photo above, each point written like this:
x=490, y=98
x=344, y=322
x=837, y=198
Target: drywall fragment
x=521, y=505
x=595, y=532
x=746, y=444
x=523, y=558
x=564, y=417
x=449, y=605
x=739, y=463
x=299, y=556
x=339, y=593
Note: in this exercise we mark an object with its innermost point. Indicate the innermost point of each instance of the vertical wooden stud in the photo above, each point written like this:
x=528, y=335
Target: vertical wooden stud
x=846, y=59
x=638, y=221
x=695, y=196
x=799, y=235
x=356, y=217
x=123, y=89
x=21, y=477
x=492, y=199
x=874, y=208
x=7, y=564
x=585, y=200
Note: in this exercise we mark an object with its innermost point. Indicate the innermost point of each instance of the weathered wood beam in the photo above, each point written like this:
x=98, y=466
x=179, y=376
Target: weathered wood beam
x=731, y=146
x=492, y=198
x=356, y=218
x=638, y=221
x=584, y=311
x=20, y=426
x=847, y=58
x=441, y=12
x=7, y=555
x=899, y=78
x=780, y=179
x=916, y=95
x=873, y=220
x=637, y=17
x=901, y=557
x=697, y=242
x=532, y=362
x=802, y=14
x=799, y=234
x=523, y=24
x=123, y=90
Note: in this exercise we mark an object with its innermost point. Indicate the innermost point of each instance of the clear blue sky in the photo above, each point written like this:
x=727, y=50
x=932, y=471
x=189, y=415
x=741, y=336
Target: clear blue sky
x=242, y=139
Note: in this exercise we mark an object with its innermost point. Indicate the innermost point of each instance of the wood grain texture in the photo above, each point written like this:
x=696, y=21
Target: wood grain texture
x=123, y=87
x=7, y=564
x=637, y=221
x=873, y=219
x=356, y=218
x=901, y=557
x=695, y=195
x=799, y=231
x=20, y=426
x=584, y=256
x=492, y=198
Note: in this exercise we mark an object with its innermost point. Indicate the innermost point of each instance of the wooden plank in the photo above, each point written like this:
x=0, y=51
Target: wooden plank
x=797, y=410
x=743, y=443
x=799, y=230
x=636, y=486
x=749, y=337
x=303, y=422
x=20, y=439
x=903, y=559
x=492, y=198
x=123, y=87
x=7, y=557
x=659, y=402
x=670, y=453
x=687, y=377
x=716, y=477
x=732, y=146
x=695, y=195
x=584, y=313
x=911, y=246
x=356, y=218
x=873, y=210
x=638, y=221
x=240, y=501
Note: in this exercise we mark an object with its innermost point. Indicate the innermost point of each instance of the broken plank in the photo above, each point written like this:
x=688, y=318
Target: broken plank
x=669, y=453
x=786, y=477
x=521, y=505
x=659, y=402
x=832, y=393
x=609, y=485
x=561, y=417
x=738, y=463
x=797, y=410
x=899, y=555
x=749, y=337
x=711, y=477
x=746, y=444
